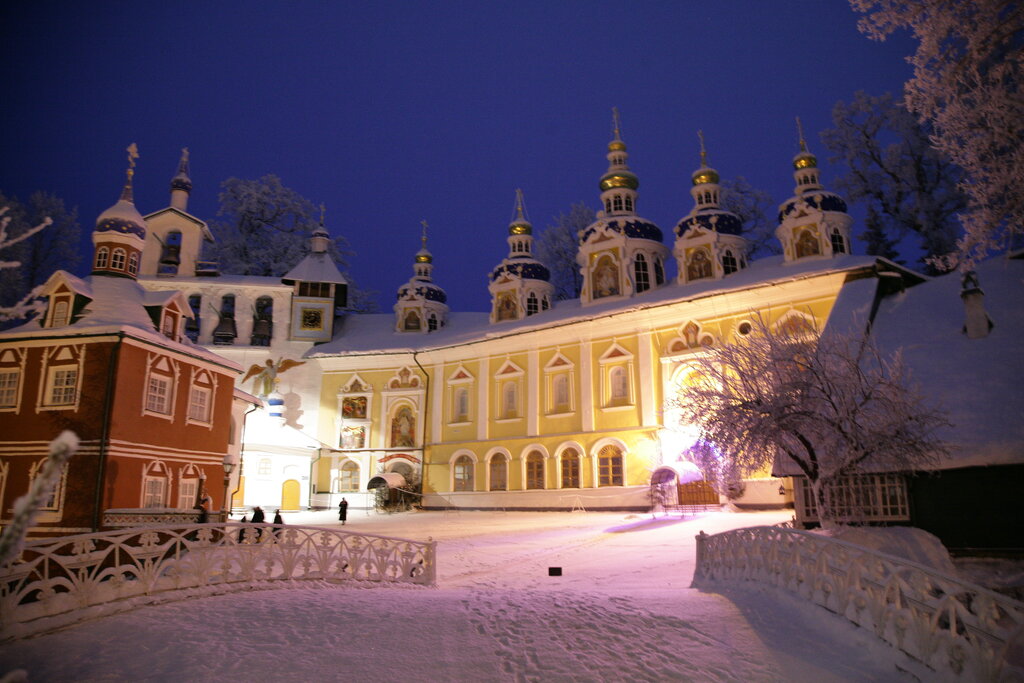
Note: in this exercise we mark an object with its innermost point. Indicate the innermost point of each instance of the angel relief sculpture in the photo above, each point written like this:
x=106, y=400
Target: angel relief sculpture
x=265, y=382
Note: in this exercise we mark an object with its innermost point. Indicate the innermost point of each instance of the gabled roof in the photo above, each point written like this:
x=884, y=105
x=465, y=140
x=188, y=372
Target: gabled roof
x=207, y=235
x=315, y=267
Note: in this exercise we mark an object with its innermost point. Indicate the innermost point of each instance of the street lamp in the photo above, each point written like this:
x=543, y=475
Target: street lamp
x=228, y=466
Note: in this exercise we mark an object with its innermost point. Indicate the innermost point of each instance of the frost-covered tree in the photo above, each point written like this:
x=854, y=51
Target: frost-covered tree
x=27, y=507
x=833, y=405
x=877, y=240
x=11, y=278
x=967, y=85
x=892, y=167
x=755, y=209
x=557, y=247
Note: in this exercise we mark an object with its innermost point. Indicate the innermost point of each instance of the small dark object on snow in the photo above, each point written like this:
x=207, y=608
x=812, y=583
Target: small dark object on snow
x=554, y=571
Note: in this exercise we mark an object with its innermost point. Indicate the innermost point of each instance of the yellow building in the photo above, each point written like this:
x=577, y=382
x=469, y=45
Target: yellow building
x=541, y=406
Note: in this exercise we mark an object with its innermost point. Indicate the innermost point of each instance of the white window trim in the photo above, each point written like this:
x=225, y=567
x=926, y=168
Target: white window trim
x=55, y=513
x=509, y=372
x=455, y=381
x=18, y=373
x=163, y=474
x=172, y=376
x=474, y=462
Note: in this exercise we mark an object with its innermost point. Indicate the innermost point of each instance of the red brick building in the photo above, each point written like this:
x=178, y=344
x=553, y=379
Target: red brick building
x=110, y=361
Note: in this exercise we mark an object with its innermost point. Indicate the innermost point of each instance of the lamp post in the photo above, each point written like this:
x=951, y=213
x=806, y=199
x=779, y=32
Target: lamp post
x=228, y=466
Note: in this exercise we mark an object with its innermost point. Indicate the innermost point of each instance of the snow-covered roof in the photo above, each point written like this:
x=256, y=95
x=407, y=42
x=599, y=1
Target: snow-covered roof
x=117, y=305
x=315, y=267
x=977, y=383
x=207, y=235
x=375, y=333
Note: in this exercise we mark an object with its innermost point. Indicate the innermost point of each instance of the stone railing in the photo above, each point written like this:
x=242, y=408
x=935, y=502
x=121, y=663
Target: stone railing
x=958, y=629
x=55, y=582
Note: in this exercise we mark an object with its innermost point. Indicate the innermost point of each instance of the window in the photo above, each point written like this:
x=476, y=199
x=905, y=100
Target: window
x=643, y=277
x=169, y=326
x=729, y=262
x=158, y=393
x=629, y=203
x=531, y=304
x=188, y=493
x=63, y=386
x=560, y=386
x=154, y=485
x=102, y=257
x=432, y=323
x=412, y=322
x=319, y=290
x=226, y=331
x=570, y=469
x=263, y=468
x=262, y=322
x=608, y=205
x=659, y=272
x=617, y=202
x=348, y=476
x=535, y=470
x=499, y=472
x=199, y=404
x=461, y=412
x=60, y=313
x=807, y=244
x=619, y=385
x=838, y=243
x=118, y=259
x=54, y=498
x=609, y=464
x=133, y=263
x=509, y=400
x=9, y=380
x=462, y=474
x=195, y=302
x=699, y=266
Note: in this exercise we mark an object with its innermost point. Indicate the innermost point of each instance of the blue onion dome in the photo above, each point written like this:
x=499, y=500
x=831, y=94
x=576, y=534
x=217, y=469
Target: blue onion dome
x=526, y=268
x=123, y=217
x=424, y=290
x=630, y=226
x=719, y=220
x=822, y=200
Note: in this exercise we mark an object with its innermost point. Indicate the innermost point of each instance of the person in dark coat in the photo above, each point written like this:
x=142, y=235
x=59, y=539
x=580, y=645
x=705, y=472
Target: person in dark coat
x=278, y=523
x=241, y=532
x=343, y=511
x=258, y=518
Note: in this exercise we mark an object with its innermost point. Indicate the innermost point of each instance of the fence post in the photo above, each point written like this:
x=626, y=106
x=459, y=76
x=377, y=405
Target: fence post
x=698, y=569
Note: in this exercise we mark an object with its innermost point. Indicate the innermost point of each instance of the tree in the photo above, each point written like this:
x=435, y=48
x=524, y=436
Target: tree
x=557, y=247
x=907, y=184
x=264, y=229
x=967, y=82
x=833, y=405
x=754, y=207
x=11, y=276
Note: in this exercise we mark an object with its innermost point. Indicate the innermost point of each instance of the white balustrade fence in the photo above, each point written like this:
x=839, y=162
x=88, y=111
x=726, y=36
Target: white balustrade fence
x=959, y=629
x=59, y=581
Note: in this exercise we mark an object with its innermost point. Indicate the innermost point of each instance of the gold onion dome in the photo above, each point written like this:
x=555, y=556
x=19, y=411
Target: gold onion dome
x=616, y=146
x=803, y=159
x=520, y=225
x=619, y=178
x=705, y=176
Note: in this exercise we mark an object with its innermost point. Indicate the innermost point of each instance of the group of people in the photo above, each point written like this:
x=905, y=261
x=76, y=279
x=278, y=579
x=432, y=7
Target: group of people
x=259, y=517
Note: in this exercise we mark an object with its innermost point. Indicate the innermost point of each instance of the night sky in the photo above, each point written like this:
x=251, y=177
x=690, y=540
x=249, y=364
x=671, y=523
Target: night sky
x=394, y=112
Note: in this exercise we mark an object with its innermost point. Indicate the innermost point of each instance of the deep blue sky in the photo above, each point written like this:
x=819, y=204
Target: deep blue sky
x=393, y=112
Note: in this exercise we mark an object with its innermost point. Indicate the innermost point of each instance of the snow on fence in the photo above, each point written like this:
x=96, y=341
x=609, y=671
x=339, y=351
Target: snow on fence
x=59, y=581
x=954, y=627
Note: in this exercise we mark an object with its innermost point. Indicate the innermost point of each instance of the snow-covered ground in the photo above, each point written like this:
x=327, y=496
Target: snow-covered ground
x=623, y=610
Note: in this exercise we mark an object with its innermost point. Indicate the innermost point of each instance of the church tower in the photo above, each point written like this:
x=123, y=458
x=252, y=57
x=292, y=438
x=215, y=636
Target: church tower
x=120, y=233
x=519, y=285
x=708, y=244
x=620, y=254
x=319, y=289
x=421, y=305
x=813, y=223
x=176, y=237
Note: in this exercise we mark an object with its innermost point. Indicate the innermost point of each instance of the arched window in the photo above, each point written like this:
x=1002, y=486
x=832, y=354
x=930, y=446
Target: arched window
x=729, y=262
x=807, y=244
x=102, y=257
x=535, y=470
x=133, y=263
x=619, y=385
x=60, y=313
x=432, y=323
x=608, y=205
x=348, y=476
x=643, y=277
x=462, y=475
x=545, y=304
x=461, y=405
x=531, y=304
x=117, y=259
x=659, y=272
x=225, y=332
x=617, y=202
x=195, y=302
x=570, y=469
x=262, y=321
x=154, y=485
x=699, y=266
x=838, y=243
x=498, y=469
x=629, y=203
x=52, y=500
x=609, y=466
x=412, y=321
x=188, y=488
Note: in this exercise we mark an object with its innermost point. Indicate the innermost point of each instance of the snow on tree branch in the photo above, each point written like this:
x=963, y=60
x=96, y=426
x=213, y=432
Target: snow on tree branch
x=832, y=405
x=26, y=305
x=27, y=507
x=967, y=83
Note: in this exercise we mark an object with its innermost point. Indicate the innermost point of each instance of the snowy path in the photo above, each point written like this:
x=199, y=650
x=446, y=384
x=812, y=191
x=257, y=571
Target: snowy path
x=622, y=611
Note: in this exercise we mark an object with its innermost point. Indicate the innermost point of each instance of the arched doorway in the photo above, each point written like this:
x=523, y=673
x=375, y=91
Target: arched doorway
x=290, y=495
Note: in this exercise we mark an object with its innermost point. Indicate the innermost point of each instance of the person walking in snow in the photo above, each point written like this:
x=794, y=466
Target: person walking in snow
x=278, y=523
x=241, y=532
x=258, y=518
x=343, y=511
